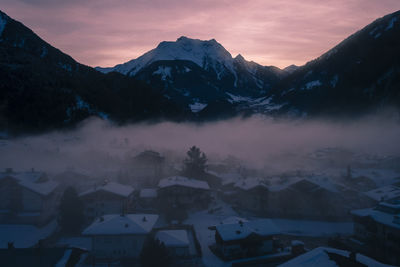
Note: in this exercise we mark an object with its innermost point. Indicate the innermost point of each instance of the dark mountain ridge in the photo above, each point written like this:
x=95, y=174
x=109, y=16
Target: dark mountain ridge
x=42, y=88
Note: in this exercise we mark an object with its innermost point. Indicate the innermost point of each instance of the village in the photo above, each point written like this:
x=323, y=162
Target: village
x=203, y=213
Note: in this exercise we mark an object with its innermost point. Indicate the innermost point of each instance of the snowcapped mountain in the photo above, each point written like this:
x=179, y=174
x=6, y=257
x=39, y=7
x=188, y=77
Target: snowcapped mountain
x=197, y=73
x=193, y=80
x=206, y=54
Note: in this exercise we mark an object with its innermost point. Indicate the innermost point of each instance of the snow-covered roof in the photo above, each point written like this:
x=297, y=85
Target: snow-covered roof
x=241, y=230
x=34, y=181
x=381, y=177
x=379, y=216
x=227, y=178
x=183, y=181
x=173, y=238
x=43, y=189
x=384, y=193
x=115, y=224
x=233, y=219
x=319, y=257
x=250, y=183
x=319, y=182
x=24, y=235
x=111, y=187
x=148, y=193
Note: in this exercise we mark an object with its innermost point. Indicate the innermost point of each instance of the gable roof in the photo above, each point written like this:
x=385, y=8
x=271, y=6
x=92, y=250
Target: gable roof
x=320, y=257
x=111, y=187
x=250, y=183
x=148, y=193
x=183, y=181
x=173, y=238
x=34, y=181
x=115, y=224
x=379, y=216
x=242, y=230
x=384, y=193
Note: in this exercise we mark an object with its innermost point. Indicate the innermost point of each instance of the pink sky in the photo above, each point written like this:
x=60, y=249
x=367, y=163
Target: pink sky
x=269, y=32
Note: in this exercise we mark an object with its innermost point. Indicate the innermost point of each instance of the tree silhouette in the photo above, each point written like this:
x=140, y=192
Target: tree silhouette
x=195, y=163
x=71, y=215
x=154, y=254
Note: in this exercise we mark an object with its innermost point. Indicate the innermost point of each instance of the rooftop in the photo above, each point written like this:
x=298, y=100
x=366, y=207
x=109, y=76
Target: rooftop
x=173, y=238
x=115, y=188
x=379, y=216
x=148, y=193
x=115, y=224
x=384, y=193
x=34, y=181
x=241, y=230
x=183, y=181
x=325, y=256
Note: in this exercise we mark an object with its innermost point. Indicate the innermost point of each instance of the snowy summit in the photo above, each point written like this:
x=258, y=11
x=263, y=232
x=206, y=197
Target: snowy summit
x=206, y=54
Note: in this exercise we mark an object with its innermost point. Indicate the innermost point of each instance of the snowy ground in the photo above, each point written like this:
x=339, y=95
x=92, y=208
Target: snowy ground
x=23, y=235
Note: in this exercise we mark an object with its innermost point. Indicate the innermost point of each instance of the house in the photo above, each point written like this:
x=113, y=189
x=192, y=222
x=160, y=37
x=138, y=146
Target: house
x=326, y=256
x=146, y=200
x=378, y=229
x=384, y=193
x=184, y=192
x=250, y=194
x=176, y=241
x=147, y=168
x=30, y=197
x=77, y=179
x=307, y=198
x=108, y=198
x=246, y=239
x=117, y=236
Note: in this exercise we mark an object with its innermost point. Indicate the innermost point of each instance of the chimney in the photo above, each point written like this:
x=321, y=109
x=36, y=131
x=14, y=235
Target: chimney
x=144, y=219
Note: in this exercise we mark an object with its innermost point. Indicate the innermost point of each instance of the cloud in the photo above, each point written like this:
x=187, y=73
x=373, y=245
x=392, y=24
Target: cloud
x=98, y=146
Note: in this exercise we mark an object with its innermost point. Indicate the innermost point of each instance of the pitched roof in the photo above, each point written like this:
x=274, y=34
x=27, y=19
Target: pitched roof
x=115, y=188
x=115, y=224
x=173, y=238
x=384, y=193
x=183, y=181
x=34, y=181
x=237, y=231
x=250, y=183
x=148, y=193
x=379, y=216
x=320, y=257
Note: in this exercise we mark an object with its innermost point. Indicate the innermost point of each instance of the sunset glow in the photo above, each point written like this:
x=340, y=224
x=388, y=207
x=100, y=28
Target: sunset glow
x=106, y=33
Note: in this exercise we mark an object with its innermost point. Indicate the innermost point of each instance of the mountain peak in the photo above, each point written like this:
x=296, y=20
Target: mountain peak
x=239, y=57
x=206, y=54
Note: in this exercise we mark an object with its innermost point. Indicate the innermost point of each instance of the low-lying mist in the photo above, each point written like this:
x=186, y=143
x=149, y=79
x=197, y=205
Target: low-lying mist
x=97, y=146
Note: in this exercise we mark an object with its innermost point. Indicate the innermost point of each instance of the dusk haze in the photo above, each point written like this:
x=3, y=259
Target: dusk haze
x=199, y=133
x=105, y=33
